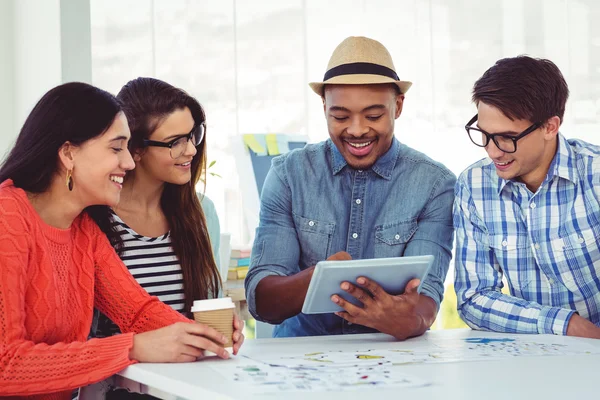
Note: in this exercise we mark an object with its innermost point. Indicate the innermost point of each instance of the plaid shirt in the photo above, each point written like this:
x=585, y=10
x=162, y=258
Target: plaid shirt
x=545, y=244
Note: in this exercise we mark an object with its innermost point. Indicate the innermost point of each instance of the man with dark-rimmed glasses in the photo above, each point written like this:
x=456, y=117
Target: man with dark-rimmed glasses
x=530, y=212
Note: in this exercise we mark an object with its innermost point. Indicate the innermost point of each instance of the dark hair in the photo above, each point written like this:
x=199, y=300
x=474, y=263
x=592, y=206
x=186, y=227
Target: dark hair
x=74, y=112
x=522, y=87
x=147, y=102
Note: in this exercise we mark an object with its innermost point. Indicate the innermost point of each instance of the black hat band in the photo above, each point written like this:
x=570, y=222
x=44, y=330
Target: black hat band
x=360, y=68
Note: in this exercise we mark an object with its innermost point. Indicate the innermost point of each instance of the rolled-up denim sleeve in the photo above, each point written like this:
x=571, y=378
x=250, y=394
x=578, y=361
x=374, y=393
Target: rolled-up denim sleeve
x=276, y=248
x=434, y=236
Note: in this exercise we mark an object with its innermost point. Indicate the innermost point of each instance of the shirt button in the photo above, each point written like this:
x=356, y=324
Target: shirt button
x=581, y=240
x=397, y=237
x=311, y=223
x=358, y=201
x=355, y=235
x=349, y=323
x=504, y=243
x=532, y=205
x=360, y=171
x=537, y=246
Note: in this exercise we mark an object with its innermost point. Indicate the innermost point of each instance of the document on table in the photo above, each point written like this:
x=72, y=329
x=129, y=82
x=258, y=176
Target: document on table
x=447, y=350
x=259, y=377
x=360, y=369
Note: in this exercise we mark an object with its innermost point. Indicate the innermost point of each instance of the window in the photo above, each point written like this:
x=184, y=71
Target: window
x=249, y=64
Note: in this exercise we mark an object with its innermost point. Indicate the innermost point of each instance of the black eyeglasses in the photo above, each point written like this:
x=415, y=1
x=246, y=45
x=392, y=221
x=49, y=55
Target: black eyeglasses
x=505, y=142
x=179, y=144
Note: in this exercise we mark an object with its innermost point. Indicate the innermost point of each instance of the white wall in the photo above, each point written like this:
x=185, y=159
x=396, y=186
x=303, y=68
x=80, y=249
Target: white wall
x=7, y=89
x=76, y=41
x=37, y=52
x=43, y=43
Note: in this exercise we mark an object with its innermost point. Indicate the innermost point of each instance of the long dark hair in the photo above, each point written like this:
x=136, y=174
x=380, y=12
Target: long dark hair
x=147, y=102
x=74, y=112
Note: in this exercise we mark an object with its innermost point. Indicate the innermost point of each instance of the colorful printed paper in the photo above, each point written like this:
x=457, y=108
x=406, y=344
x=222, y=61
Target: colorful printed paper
x=356, y=370
x=258, y=377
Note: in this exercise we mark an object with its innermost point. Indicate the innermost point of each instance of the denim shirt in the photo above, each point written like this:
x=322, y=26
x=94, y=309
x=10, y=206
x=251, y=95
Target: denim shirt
x=314, y=205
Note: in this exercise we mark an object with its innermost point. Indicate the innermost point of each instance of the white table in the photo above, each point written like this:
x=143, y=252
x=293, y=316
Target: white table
x=549, y=377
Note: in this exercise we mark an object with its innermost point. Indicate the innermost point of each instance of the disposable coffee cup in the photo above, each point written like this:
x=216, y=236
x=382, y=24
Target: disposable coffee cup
x=218, y=314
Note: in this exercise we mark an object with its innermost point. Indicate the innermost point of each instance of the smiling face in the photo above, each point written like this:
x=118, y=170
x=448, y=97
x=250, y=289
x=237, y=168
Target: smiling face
x=360, y=120
x=157, y=163
x=99, y=165
x=535, y=151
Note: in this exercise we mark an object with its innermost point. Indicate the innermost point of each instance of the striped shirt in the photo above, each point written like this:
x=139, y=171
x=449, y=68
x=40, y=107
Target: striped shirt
x=545, y=244
x=153, y=264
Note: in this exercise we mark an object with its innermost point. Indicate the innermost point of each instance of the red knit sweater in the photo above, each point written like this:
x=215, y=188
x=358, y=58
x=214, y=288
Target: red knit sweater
x=50, y=281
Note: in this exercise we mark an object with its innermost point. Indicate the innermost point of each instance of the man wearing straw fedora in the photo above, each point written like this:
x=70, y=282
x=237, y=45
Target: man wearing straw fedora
x=360, y=194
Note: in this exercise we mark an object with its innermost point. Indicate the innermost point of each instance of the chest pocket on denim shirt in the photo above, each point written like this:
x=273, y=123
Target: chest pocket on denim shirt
x=391, y=239
x=315, y=239
x=507, y=250
x=577, y=259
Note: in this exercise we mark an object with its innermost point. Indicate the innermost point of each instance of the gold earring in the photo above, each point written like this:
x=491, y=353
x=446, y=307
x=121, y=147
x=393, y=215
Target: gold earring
x=69, y=180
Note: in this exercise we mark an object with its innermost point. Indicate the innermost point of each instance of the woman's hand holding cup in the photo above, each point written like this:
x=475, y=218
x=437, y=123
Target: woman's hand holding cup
x=179, y=342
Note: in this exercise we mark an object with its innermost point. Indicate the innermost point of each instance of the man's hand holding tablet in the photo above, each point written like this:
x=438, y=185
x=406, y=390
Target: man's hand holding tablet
x=366, y=302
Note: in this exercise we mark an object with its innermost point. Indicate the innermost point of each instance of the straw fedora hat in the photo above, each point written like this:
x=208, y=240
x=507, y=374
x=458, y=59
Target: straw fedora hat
x=357, y=61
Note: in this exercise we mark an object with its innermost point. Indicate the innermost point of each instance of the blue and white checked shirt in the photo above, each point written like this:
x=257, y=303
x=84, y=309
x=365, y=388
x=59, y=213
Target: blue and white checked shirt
x=544, y=243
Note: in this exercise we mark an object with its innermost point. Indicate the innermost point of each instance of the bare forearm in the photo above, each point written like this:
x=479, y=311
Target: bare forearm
x=424, y=315
x=581, y=327
x=281, y=297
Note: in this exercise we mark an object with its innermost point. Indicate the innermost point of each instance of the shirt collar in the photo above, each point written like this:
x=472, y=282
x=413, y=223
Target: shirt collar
x=382, y=167
x=562, y=164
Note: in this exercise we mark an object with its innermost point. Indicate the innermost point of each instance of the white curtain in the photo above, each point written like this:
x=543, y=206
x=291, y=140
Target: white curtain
x=249, y=62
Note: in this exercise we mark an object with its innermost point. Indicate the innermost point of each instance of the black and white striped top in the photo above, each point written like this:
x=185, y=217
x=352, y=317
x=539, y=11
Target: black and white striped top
x=153, y=264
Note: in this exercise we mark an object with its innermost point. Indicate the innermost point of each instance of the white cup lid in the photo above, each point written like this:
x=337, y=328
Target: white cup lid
x=213, y=304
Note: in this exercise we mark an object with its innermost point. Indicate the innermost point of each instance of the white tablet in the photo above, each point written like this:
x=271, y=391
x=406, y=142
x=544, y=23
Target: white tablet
x=392, y=274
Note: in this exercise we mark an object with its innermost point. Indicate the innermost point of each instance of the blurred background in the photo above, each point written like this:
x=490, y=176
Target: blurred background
x=249, y=62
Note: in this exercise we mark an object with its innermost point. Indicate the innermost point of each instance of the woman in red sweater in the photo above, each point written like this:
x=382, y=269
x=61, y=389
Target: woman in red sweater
x=56, y=264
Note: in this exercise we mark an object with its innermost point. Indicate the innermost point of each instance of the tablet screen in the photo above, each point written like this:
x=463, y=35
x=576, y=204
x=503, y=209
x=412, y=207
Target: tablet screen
x=392, y=274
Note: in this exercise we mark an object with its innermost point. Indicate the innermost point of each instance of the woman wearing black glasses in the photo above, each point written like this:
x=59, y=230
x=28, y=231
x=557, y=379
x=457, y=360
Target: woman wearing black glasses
x=158, y=227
